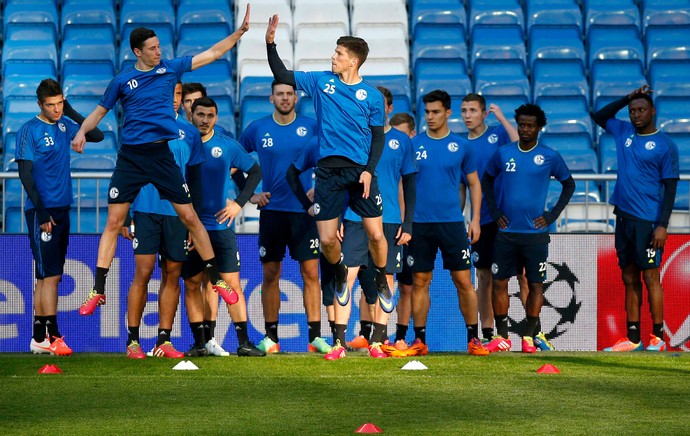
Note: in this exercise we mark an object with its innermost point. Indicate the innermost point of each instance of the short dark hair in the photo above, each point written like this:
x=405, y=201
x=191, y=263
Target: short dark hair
x=387, y=94
x=139, y=36
x=48, y=88
x=643, y=96
x=402, y=118
x=276, y=83
x=190, y=87
x=475, y=97
x=531, y=110
x=356, y=46
x=204, y=102
x=438, y=95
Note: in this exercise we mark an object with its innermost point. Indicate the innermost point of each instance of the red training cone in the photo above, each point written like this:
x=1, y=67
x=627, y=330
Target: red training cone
x=50, y=369
x=368, y=428
x=548, y=369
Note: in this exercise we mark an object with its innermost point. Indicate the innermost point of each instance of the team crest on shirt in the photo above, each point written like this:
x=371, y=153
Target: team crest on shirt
x=651, y=145
x=216, y=152
x=628, y=142
x=302, y=131
x=135, y=243
x=62, y=127
x=453, y=147
x=410, y=260
x=361, y=94
x=394, y=144
x=46, y=237
x=317, y=208
x=262, y=251
x=181, y=134
x=114, y=192
x=493, y=138
x=161, y=70
x=539, y=159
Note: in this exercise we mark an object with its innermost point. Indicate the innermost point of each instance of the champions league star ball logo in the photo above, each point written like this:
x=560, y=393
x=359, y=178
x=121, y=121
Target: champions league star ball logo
x=493, y=138
x=560, y=303
x=216, y=152
x=675, y=280
x=361, y=94
x=301, y=131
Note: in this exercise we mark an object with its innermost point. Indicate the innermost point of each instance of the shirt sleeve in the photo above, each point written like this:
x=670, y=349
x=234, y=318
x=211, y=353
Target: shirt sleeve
x=377, y=117
x=669, y=162
x=409, y=164
x=308, y=157
x=559, y=170
x=111, y=94
x=493, y=166
x=25, y=146
x=246, y=139
x=197, y=155
x=241, y=159
x=468, y=163
x=306, y=81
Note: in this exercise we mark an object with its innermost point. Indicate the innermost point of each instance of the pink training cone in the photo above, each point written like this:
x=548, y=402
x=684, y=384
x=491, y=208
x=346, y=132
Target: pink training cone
x=368, y=428
x=50, y=369
x=548, y=369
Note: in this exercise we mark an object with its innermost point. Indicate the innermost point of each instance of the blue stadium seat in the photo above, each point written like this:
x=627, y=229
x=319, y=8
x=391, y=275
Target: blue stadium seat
x=22, y=79
x=672, y=114
x=437, y=12
x=85, y=104
x=305, y=105
x=16, y=112
x=399, y=86
x=86, y=78
x=552, y=14
x=30, y=43
x=607, y=154
x=226, y=114
x=438, y=41
x=559, y=77
x=88, y=12
x=32, y=12
x=614, y=43
x=497, y=78
x=146, y=13
x=665, y=13
x=581, y=160
x=194, y=39
x=88, y=219
x=670, y=78
x=556, y=44
x=586, y=191
x=507, y=103
x=165, y=36
x=93, y=161
x=14, y=192
x=497, y=42
x=430, y=74
x=254, y=108
x=88, y=44
x=613, y=79
x=216, y=77
x=567, y=141
x=205, y=13
x=611, y=13
x=566, y=115
x=495, y=13
x=667, y=43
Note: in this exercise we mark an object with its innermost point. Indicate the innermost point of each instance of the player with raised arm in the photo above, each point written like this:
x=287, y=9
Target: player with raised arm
x=643, y=201
x=145, y=92
x=283, y=222
x=350, y=114
x=443, y=157
x=515, y=185
x=43, y=159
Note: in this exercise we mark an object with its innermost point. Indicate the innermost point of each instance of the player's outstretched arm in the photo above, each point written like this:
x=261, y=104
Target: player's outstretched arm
x=292, y=178
x=280, y=72
x=93, y=136
x=88, y=125
x=221, y=47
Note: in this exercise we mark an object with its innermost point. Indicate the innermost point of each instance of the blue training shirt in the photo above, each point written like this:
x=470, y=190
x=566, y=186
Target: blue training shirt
x=344, y=114
x=277, y=146
x=643, y=162
x=48, y=146
x=188, y=151
x=222, y=153
x=396, y=161
x=308, y=158
x=525, y=183
x=440, y=164
x=146, y=98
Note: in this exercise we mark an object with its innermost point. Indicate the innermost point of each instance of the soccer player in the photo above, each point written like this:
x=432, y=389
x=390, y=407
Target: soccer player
x=484, y=141
x=643, y=200
x=158, y=230
x=515, y=185
x=145, y=92
x=396, y=166
x=442, y=158
x=43, y=157
x=217, y=214
x=191, y=91
x=403, y=122
x=350, y=114
x=277, y=139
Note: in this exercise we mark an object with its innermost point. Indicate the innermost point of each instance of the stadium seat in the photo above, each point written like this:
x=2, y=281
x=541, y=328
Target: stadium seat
x=559, y=77
x=16, y=112
x=444, y=41
x=22, y=78
x=86, y=104
x=495, y=13
x=553, y=14
x=93, y=161
x=586, y=217
x=216, y=77
x=253, y=61
x=205, y=13
x=399, y=86
x=568, y=141
x=613, y=79
x=499, y=78
x=389, y=15
x=313, y=54
x=163, y=31
x=662, y=13
x=226, y=114
x=261, y=12
x=679, y=222
x=86, y=78
x=556, y=44
x=305, y=105
x=566, y=114
x=670, y=78
x=30, y=12
x=152, y=14
x=88, y=13
x=437, y=12
x=88, y=44
x=614, y=43
x=586, y=191
x=583, y=160
x=667, y=43
x=194, y=39
x=606, y=148
x=448, y=74
x=323, y=20
x=88, y=219
x=672, y=115
x=611, y=13
x=387, y=56
x=497, y=43
x=507, y=103
x=30, y=43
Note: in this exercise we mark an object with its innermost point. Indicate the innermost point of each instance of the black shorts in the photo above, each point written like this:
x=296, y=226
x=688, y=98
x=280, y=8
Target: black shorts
x=337, y=187
x=224, y=245
x=633, y=244
x=405, y=275
x=510, y=259
x=49, y=249
x=483, y=249
x=450, y=238
x=295, y=230
x=139, y=165
x=355, y=246
x=164, y=234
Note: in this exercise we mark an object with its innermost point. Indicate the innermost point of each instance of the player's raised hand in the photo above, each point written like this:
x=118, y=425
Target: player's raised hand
x=78, y=142
x=644, y=89
x=245, y=22
x=271, y=29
